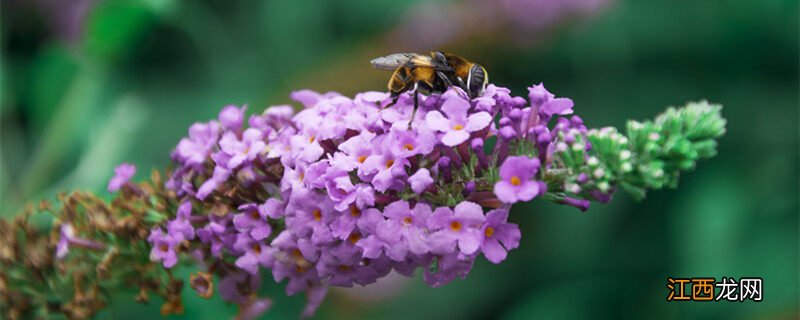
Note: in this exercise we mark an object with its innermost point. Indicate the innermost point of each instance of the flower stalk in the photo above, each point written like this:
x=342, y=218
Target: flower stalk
x=341, y=193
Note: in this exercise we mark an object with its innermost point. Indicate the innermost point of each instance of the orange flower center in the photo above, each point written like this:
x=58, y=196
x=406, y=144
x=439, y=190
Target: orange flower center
x=488, y=232
x=407, y=220
x=257, y=248
x=164, y=247
x=296, y=253
x=300, y=269
x=317, y=214
x=458, y=127
x=311, y=139
x=354, y=211
x=354, y=237
x=344, y=268
x=389, y=163
x=455, y=225
x=409, y=147
x=254, y=214
x=361, y=159
x=515, y=181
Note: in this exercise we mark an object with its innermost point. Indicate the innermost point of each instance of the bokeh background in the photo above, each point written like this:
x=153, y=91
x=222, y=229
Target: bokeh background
x=87, y=84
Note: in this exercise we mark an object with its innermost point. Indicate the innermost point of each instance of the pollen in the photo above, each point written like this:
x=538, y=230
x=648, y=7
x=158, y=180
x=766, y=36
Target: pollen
x=297, y=254
x=254, y=214
x=515, y=181
x=409, y=147
x=164, y=247
x=455, y=226
x=408, y=220
x=257, y=248
x=317, y=214
x=361, y=159
x=488, y=232
x=311, y=139
x=389, y=163
x=458, y=127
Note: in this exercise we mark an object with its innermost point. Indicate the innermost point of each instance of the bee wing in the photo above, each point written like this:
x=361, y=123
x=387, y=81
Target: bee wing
x=397, y=60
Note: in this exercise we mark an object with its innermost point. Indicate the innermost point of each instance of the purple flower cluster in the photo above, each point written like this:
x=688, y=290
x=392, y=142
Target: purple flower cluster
x=346, y=191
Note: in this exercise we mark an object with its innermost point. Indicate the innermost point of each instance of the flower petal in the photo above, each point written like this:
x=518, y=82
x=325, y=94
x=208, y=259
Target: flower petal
x=493, y=251
x=454, y=138
x=437, y=121
x=478, y=121
x=505, y=192
x=469, y=241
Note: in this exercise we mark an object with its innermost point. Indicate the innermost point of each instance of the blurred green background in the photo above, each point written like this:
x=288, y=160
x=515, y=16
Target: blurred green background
x=89, y=84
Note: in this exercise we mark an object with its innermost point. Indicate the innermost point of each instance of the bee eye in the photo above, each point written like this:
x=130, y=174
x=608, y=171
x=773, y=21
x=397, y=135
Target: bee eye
x=439, y=57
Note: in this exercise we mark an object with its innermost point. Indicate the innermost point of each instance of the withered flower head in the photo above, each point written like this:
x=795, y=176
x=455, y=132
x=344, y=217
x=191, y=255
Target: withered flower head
x=202, y=283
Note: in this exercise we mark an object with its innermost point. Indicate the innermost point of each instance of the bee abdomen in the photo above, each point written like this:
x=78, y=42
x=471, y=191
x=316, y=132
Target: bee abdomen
x=476, y=80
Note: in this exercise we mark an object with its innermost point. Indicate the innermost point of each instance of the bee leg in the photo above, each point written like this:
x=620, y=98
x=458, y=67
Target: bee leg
x=444, y=78
x=463, y=86
x=394, y=101
x=416, y=105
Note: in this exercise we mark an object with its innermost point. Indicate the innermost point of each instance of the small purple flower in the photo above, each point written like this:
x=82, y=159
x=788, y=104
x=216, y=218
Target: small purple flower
x=420, y=181
x=272, y=208
x=232, y=117
x=237, y=286
x=457, y=126
x=357, y=149
x=546, y=105
x=164, y=246
x=407, y=226
x=254, y=308
x=306, y=146
x=538, y=95
x=310, y=98
x=581, y=204
x=386, y=168
x=311, y=213
x=218, y=234
x=515, y=179
x=314, y=297
x=448, y=268
x=498, y=235
x=66, y=233
x=340, y=264
x=560, y=106
x=218, y=177
x=252, y=222
x=342, y=191
x=194, y=150
x=407, y=143
x=244, y=150
x=181, y=227
x=67, y=238
x=299, y=271
x=461, y=225
x=122, y=174
x=255, y=253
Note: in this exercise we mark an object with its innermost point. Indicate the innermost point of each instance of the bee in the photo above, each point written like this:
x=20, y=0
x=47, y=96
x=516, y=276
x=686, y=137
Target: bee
x=432, y=73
